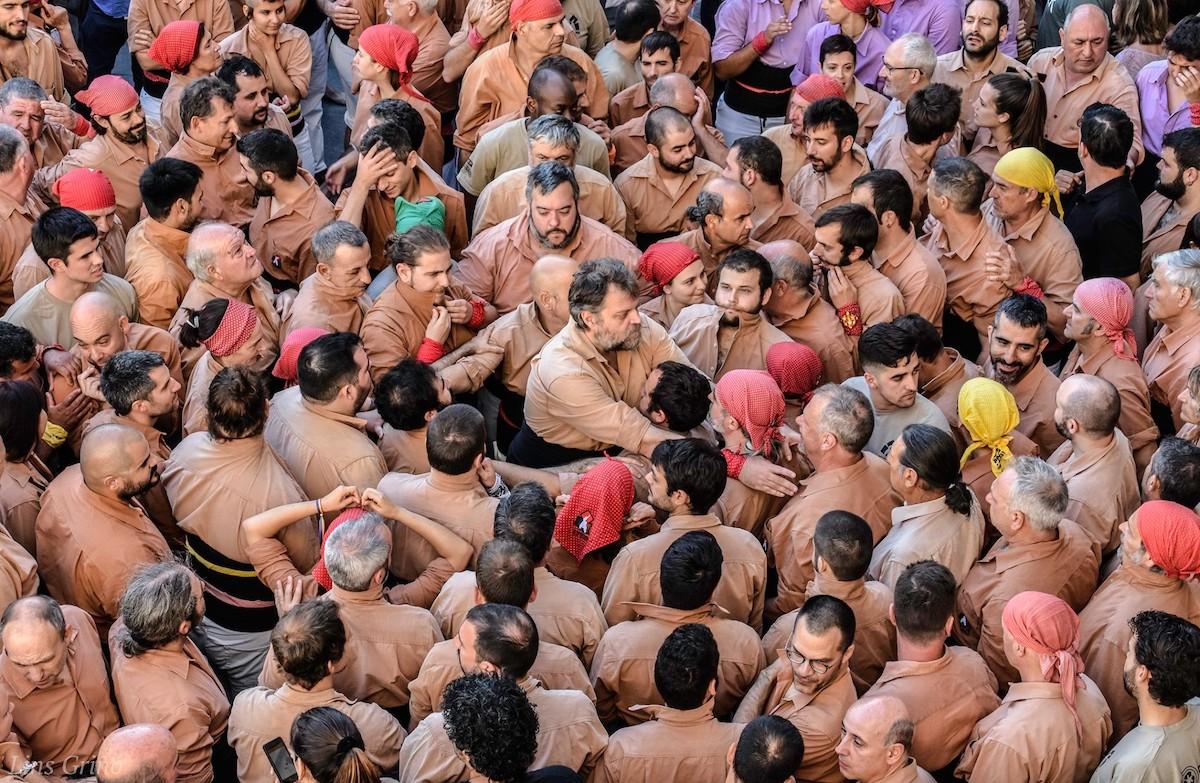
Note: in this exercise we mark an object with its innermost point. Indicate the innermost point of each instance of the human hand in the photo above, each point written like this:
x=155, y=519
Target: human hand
x=142, y=39
x=289, y=593
x=345, y=15
x=761, y=474
x=335, y=177
x=1001, y=266
x=460, y=310
x=493, y=19
x=69, y=413
x=841, y=291
x=376, y=501
x=1067, y=181
x=54, y=16
x=439, y=325
x=1188, y=80
x=701, y=115
x=486, y=474
x=340, y=498
x=777, y=28
x=59, y=114
x=59, y=362
x=640, y=515
x=377, y=163
x=89, y=383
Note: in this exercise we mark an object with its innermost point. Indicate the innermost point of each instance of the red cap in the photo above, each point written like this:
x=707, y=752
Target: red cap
x=108, y=95
x=234, y=330
x=662, y=261
x=392, y=46
x=176, y=45
x=533, y=11
x=818, y=86
x=84, y=189
x=289, y=353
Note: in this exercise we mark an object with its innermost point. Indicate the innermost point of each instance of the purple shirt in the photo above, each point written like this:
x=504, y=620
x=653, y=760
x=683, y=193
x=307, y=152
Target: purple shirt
x=870, y=47
x=1157, y=119
x=938, y=20
x=738, y=21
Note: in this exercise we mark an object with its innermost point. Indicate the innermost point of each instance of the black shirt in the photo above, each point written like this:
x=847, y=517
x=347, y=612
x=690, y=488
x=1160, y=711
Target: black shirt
x=1106, y=223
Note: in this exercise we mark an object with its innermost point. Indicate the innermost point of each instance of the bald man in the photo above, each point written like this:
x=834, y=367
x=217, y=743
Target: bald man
x=519, y=336
x=678, y=92
x=797, y=309
x=139, y=753
x=92, y=532
x=1077, y=74
x=101, y=329
x=1096, y=459
x=877, y=734
x=723, y=211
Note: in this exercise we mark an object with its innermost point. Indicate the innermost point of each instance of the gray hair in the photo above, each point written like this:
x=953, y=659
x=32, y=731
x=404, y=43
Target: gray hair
x=708, y=202
x=1182, y=268
x=847, y=415
x=356, y=550
x=198, y=97
x=796, y=271
x=12, y=148
x=333, y=235
x=1039, y=492
x=35, y=607
x=962, y=182
x=202, y=249
x=918, y=53
x=21, y=87
x=157, y=599
x=555, y=130
x=545, y=177
x=591, y=282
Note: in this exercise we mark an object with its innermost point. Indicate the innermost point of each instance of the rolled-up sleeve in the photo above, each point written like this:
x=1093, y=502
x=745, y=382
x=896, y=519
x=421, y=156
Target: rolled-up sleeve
x=731, y=29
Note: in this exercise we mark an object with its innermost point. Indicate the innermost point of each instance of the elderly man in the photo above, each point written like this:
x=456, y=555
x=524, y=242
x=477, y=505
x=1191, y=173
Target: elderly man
x=731, y=334
x=1078, y=74
x=834, y=427
x=670, y=91
x=1096, y=460
x=88, y=565
x=155, y=248
x=1160, y=545
x=159, y=674
x=907, y=263
x=1173, y=293
x=91, y=193
x=424, y=313
x=21, y=108
x=580, y=411
x=723, y=213
x=492, y=84
x=757, y=164
x=796, y=307
x=1098, y=322
x=225, y=266
x=502, y=640
x=961, y=240
x=1173, y=473
x=313, y=427
x=101, y=330
x=122, y=148
x=54, y=681
x=1158, y=668
x=139, y=749
x=834, y=160
x=1053, y=721
x=660, y=187
x=845, y=239
x=551, y=137
x=334, y=297
x=495, y=266
x=209, y=135
x=909, y=64
x=19, y=206
x=947, y=689
x=876, y=742
x=1038, y=549
x=813, y=695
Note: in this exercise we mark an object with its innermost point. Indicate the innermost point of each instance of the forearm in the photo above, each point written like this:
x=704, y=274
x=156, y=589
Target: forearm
x=458, y=58
x=515, y=474
x=735, y=64
x=712, y=147
x=655, y=436
x=269, y=523
x=284, y=85
x=352, y=210
x=444, y=542
x=147, y=62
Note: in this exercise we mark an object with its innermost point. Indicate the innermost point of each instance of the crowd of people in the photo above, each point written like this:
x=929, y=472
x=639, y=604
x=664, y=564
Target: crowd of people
x=551, y=390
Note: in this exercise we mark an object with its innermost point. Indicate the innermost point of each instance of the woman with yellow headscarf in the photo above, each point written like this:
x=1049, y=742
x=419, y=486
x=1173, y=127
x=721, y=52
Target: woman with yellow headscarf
x=989, y=416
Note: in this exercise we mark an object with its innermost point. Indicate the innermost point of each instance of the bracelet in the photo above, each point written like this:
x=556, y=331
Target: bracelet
x=1030, y=286
x=82, y=126
x=54, y=435
x=851, y=317
x=733, y=463
x=430, y=351
x=320, y=521
x=1194, y=108
x=478, y=313
x=474, y=39
x=760, y=44
x=499, y=488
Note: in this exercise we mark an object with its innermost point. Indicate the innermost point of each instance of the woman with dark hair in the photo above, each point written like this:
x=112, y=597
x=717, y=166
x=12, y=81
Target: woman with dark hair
x=228, y=328
x=1138, y=29
x=1010, y=112
x=25, y=477
x=940, y=519
x=328, y=748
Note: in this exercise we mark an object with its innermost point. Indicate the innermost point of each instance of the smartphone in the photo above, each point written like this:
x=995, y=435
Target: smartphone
x=280, y=759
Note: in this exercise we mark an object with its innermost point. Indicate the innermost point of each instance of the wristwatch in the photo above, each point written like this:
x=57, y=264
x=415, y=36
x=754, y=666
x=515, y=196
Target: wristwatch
x=26, y=768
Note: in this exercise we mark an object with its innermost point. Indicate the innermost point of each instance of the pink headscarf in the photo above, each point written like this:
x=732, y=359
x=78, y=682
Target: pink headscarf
x=1048, y=626
x=1110, y=303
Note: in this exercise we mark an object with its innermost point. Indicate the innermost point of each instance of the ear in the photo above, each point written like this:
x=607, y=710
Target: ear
x=945, y=137
x=847, y=144
x=533, y=594
x=658, y=418
x=871, y=382
x=123, y=325
x=429, y=416
x=730, y=754
x=948, y=628
x=247, y=11
x=479, y=599
x=56, y=264
x=487, y=667
x=411, y=160
x=766, y=296
x=323, y=270
x=892, y=615
x=477, y=462
x=1042, y=345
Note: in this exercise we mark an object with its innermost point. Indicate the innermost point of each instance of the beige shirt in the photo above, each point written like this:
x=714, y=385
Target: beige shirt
x=322, y=304
x=41, y=63
x=169, y=118
x=320, y=448
x=629, y=145
x=929, y=531
x=952, y=70
x=261, y=714
x=874, y=631
x=282, y=234
x=292, y=47
x=156, y=270
x=578, y=399
x=1166, y=362
x=1126, y=375
x=496, y=265
x=89, y=545
x=566, y=613
x=942, y=390
x=945, y=698
x=228, y=196
x=1163, y=227
x=556, y=668
x=918, y=277
x=1032, y=736
x=698, y=332
x=434, y=42
x=568, y=734
x=1103, y=484
x=787, y=221
x=969, y=293
x=815, y=192
x=623, y=670
x=21, y=488
x=629, y=104
x=177, y=690
x=18, y=570
x=862, y=488
x=818, y=715
x=1035, y=395
x=404, y=451
x=504, y=198
x=395, y=326
x=48, y=318
x=258, y=294
x=656, y=206
x=898, y=153
x=63, y=723
x=791, y=147
x=1153, y=754
x=878, y=298
x=1109, y=83
x=634, y=573
x=154, y=15
x=1066, y=567
x=31, y=269
x=16, y=226
x=1104, y=629
x=505, y=146
x=815, y=323
x=521, y=334
x=696, y=240
x=53, y=145
x=459, y=503
x=674, y=744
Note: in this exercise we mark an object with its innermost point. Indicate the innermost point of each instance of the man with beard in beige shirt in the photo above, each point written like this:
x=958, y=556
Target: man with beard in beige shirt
x=1015, y=342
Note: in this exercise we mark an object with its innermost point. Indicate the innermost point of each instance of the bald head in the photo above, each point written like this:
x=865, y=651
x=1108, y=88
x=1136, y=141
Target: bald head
x=552, y=275
x=1084, y=38
x=111, y=453
x=1086, y=17
x=98, y=324
x=876, y=738
x=96, y=307
x=1092, y=402
x=675, y=90
x=140, y=753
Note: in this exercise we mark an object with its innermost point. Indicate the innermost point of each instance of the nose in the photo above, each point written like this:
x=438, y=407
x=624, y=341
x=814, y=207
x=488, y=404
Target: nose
x=364, y=276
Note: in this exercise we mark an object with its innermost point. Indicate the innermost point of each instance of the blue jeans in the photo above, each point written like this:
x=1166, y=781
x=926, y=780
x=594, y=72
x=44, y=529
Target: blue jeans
x=310, y=105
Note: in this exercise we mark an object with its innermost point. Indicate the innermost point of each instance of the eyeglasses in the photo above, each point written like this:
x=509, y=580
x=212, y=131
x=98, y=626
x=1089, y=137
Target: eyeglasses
x=798, y=660
x=890, y=68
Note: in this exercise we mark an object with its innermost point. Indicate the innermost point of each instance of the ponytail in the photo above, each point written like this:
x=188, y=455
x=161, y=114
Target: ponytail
x=933, y=455
x=331, y=747
x=356, y=767
x=199, y=325
x=959, y=498
x=1024, y=101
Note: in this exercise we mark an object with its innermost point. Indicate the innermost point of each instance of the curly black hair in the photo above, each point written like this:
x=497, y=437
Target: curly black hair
x=1169, y=647
x=490, y=719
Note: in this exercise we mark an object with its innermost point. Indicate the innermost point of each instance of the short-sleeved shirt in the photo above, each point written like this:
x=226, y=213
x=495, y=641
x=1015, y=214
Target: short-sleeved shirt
x=1106, y=223
x=48, y=318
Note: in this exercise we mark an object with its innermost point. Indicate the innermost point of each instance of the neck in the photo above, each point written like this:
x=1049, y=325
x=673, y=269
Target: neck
x=526, y=57
x=231, y=291
x=889, y=240
x=917, y=495
x=1151, y=713
x=835, y=458
x=66, y=289
x=288, y=192
x=959, y=225
x=1094, y=175
x=1182, y=320
x=854, y=25
x=909, y=649
x=666, y=175
x=143, y=419
x=924, y=151
x=767, y=198
x=1083, y=443
x=1002, y=135
x=323, y=684
x=941, y=362
x=1190, y=200
x=175, y=645
x=1028, y=535
x=845, y=171
x=719, y=246
x=1093, y=344
x=976, y=63
x=11, y=184
x=627, y=49
x=1021, y=218
x=1030, y=668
